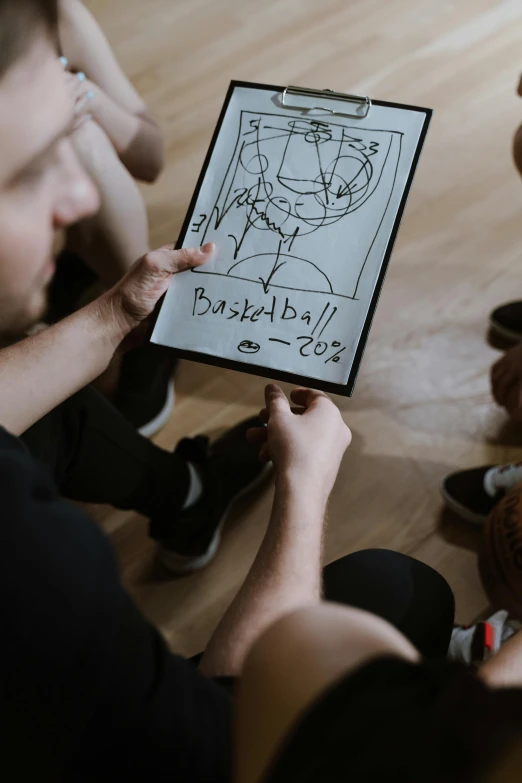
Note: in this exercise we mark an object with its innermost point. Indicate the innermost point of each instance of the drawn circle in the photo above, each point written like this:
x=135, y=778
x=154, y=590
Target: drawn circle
x=322, y=349
x=355, y=173
x=268, y=188
x=255, y=204
x=275, y=207
x=306, y=209
x=259, y=192
x=246, y=346
x=267, y=214
x=257, y=164
x=336, y=195
x=318, y=136
x=302, y=125
x=317, y=131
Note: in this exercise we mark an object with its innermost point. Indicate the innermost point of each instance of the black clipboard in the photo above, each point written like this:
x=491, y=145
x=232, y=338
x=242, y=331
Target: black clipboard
x=348, y=106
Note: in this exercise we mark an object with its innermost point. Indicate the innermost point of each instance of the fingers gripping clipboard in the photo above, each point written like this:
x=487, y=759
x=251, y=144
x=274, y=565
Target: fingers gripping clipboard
x=302, y=191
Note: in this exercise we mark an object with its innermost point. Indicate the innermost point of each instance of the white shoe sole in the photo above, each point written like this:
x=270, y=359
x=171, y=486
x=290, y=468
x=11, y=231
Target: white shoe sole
x=460, y=510
x=159, y=421
x=180, y=565
x=507, y=334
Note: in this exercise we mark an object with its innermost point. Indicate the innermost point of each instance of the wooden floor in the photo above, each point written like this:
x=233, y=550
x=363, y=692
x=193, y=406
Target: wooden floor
x=422, y=405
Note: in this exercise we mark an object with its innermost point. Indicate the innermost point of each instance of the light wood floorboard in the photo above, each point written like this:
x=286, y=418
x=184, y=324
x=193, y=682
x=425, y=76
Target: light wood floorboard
x=422, y=405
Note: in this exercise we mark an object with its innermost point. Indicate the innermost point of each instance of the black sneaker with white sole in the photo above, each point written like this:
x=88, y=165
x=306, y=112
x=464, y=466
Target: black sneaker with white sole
x=229, y=468
x=473, y=494
x=145, y=394
x=506, y=321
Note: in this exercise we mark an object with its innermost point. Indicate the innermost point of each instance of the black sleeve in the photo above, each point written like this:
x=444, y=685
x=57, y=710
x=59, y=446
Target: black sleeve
x=89, y=688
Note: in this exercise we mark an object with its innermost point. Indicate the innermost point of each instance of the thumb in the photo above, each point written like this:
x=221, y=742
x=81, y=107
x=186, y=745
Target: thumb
x=276, y=401
x=166, y=261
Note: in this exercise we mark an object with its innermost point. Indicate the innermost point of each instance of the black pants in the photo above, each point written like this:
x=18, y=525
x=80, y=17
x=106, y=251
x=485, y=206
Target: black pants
x=96, y=456
x=409, y=594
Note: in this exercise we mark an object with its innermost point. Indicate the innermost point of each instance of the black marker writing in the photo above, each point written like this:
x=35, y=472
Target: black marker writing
x=246, y=346
x=198, y=226
x=280, y=311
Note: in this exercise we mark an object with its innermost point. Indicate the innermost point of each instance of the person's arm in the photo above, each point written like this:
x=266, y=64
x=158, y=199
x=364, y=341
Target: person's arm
x=286, y=575
x=89, y=688
x=115, y=104
x=39, y=372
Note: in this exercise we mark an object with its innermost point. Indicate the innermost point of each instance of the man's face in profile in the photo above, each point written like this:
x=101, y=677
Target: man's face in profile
x=43, y=188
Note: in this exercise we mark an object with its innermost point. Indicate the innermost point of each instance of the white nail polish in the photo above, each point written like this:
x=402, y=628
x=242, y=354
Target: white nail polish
x=81, y=76
x=64, y=61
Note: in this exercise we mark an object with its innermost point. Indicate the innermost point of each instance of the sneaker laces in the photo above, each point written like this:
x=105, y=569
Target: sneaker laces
x=502, y=478
x=477, y=643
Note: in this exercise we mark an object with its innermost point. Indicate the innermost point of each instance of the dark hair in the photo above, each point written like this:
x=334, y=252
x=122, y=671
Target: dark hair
x=20, y=21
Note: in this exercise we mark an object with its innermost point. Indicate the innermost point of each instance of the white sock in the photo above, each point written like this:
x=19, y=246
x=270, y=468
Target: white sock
x=502, y=477
x=195, y=488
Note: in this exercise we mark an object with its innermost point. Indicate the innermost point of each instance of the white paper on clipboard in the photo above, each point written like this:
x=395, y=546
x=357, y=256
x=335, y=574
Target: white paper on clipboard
x=302, y=207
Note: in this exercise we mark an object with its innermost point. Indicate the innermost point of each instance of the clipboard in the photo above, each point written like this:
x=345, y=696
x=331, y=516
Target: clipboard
x=268, y=143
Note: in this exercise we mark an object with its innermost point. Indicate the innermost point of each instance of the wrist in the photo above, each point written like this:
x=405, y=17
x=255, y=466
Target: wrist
x=304, y=486
x=109, y=316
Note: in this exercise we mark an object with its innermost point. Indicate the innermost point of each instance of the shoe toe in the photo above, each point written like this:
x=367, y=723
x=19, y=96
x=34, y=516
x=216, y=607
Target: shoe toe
x=464, y=493
x=508, y=316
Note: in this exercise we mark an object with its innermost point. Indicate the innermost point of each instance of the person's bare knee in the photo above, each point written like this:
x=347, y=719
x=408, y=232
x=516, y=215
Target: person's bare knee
x=118, y=235
x=293, y=663
x=94, y=148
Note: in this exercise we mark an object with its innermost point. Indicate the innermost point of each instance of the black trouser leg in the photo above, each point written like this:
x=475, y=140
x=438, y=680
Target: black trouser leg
x=409, y=594
x=96, y=456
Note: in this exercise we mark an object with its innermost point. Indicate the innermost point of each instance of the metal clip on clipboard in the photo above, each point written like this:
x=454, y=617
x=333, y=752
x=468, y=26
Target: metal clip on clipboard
x=327, y=96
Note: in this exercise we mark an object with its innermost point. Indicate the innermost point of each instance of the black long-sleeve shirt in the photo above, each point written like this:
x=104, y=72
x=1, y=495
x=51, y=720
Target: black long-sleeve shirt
x=89, y=688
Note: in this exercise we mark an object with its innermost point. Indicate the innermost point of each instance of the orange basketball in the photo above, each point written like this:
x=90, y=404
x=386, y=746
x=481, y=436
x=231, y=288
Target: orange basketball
x=500, y=559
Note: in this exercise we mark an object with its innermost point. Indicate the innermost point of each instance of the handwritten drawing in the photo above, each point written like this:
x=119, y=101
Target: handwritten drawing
x=287, y=183
x=282, y=313
x=303, y=207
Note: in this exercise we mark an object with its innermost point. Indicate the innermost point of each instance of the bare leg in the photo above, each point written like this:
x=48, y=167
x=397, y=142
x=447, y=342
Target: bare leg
x=112, y=240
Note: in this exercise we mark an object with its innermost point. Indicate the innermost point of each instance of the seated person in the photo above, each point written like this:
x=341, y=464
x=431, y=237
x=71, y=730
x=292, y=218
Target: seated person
x=474, y=493
x=117, y=140
x=332, y=693
x=89, y=688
